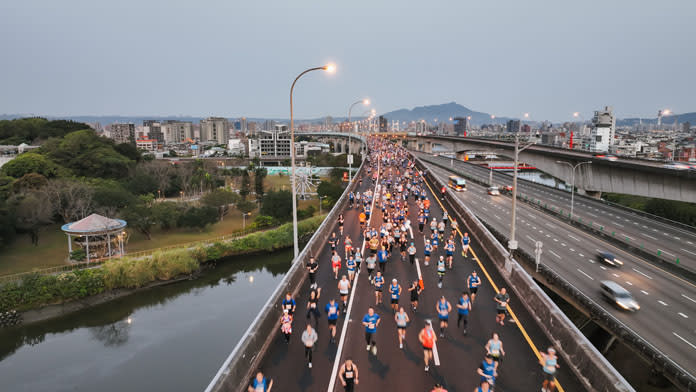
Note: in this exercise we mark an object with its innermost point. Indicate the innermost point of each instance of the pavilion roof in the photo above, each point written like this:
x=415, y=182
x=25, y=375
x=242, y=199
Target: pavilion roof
x=93, y=224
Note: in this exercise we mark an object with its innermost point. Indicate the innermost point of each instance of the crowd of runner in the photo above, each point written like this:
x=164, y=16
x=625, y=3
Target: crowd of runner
x=385, y=229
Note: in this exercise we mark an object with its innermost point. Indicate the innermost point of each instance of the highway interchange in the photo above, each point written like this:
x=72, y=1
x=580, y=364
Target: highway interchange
x=667, y=318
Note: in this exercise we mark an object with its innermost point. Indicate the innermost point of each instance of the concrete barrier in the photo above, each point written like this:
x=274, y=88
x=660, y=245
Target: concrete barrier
x=238, y=368
x=586, y=362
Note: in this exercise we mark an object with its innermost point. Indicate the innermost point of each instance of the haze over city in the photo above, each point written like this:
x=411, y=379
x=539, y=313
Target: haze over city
x=237, y=58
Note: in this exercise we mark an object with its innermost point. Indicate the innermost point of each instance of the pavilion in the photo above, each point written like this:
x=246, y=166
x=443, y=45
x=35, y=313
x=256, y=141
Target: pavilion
x=98, y=235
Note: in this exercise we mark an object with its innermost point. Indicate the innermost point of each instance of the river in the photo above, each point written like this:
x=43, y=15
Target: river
x=169, y=338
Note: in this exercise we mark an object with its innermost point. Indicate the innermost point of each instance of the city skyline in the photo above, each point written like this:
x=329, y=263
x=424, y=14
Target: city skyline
x=239, y=60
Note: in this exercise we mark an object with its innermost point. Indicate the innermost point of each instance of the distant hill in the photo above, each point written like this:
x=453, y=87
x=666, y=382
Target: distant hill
x=443, y=112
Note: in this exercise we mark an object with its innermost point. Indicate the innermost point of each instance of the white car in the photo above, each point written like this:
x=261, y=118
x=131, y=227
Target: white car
x=494, y=191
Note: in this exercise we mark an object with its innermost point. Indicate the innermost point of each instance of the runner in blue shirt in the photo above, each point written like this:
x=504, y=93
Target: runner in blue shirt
x=426, y=251
x=443, y=308
x=488, y=370
x=463, y=308
x=351, y=265
x=371, y=321
x=382, y=256
x=449, y=251
x=260, y=384
x=473, y=282
x=379, y=283
x=332, y=310
x=289, y=304
x=395, y=291
x=465, y=245
x=351, y=199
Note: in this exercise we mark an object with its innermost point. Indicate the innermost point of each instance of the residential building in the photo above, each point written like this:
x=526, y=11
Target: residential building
x=177, y=131
x=146, y=144
x=383, y=124
x=513, y=126
x=216, y=129
x=123, y=133
x=272, y=145
x=243, y=125
x=236, y=147
x=461, y=125
x=603, y=129
x=153, y=130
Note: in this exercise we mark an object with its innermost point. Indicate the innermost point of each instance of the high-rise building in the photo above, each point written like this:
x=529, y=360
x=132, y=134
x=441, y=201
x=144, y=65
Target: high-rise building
x=269, y=125
x=461, y=124
x=513, y=126
x=215, y=129
x=383, y=124
x=328, y=122
x=602, y=131
x=177, y=131
x=271, y=144
x=153, y=130
x=243, y=125
x=123, y=133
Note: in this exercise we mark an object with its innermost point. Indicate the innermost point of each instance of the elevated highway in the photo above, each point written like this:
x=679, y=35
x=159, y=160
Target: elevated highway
x=627, y=176
x=570, y=252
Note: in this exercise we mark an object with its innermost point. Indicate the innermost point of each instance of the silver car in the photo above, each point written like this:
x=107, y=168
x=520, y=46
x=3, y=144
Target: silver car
x=618, y=295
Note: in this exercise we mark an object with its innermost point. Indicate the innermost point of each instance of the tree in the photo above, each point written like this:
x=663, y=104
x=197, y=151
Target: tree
x=110, y=196
x=245, y=189
x=29, y=182
x=7, y=223
x=246, y=206
x=32, y=210
x=30, y=130
x=129, y=151
x=88, y=155
x=278, y=205
x=198, y=217
x=220, y=199
x=336, y=174
x=142, y=183
x=71, y=199
x=31, y=162
x=166, y=214
x=140, y=216
x=161, y=172
x=331, y=190
x=259, y=174
x=6, y=186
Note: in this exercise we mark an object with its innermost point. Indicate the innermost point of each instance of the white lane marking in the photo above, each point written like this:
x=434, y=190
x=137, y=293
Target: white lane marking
x=677, y=238
x=531, y=239
x=689, y=242
x=683, y=315
x=550, y=225
x=484, y=208
x=603, y=267
x=690, y=299
x=344, y=330
x=532, y=216
x=581, y=255
x=688, y=251
x=573, y=237
x=666, y=234
x=645, y=227
x=685, y=341
x=619, y=224
x=497, y=217
x=629, y=283
x=555, y=239
x=582, y=272
x=616, y=275
x=644, y=292
x=665, y=252
x=663, y=303
x=591, y=261
x=562, y=243
x=649, y=236
x=572, y=250
x=553, y=253
x=631, y=238
x=591, y=214
x=642, y=273
x=436, y=358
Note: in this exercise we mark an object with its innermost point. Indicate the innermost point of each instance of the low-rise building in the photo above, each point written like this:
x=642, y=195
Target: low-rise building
x=146, y=144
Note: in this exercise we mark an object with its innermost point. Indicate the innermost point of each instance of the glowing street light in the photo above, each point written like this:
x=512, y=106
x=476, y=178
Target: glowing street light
x=330, y=68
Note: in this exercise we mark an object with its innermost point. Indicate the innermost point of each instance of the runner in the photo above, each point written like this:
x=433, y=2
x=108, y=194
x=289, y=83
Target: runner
x=313, y=306
x=441, y=229
x=415, y=292
x=344, y=290
x=335, y=263
x=473, y=282
x=502, y=299
x=371, y=263
x=379, y=283
x=350, y=266
x=374, y=244
x=455, y=226
x=412, y=252
x=358, y=259
x=348, y=246
x=443, y=307
x=333, y=241
x=426, y=252
x=348, y=374
x=433, y=226
x=312, y=267
x=445, y=217
x=362, y=218
x=427, y=338
x=434, y=241
x=449, y=251
x=494, y=348
x=402, y=320
x=341, y=221
x=309, y=337
x=289, y=304
x=549, y=362
x=286, y=325
x=403, y=245
x=351, y=199
x=463, y=309
x=260, y=384
x=331, y=310
x=371, y=321
x=465, y=245
x=382, y=256
x=488, y=370
x=484, y=387
x=395, y=291
x=440, y=271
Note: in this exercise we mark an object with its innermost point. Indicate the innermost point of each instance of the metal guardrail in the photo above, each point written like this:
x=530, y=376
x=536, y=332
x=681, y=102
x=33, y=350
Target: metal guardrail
x=99, y=261
x=238, y=367
x=680, y=376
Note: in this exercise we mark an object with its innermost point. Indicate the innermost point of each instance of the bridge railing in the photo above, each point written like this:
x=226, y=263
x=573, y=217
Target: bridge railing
x=588, y=364
x=238, y=367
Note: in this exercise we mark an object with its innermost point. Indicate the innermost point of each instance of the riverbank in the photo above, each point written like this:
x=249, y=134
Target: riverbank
x=56, y=291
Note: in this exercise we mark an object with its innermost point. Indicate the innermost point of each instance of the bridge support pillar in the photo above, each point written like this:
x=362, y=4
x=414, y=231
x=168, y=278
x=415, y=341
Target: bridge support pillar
x=592, y=194
x=461, y=155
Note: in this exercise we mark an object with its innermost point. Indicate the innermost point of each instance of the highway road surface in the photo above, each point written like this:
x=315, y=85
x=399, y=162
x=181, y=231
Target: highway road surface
x=667, y=318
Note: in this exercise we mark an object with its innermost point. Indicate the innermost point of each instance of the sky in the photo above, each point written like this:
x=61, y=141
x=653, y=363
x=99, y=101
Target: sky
x=238, y=58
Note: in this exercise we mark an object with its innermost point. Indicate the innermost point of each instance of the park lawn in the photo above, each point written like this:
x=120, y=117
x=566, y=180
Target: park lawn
x=52, y=250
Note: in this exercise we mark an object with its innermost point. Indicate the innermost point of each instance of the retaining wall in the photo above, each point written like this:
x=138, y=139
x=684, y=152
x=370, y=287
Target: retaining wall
x=588, y=364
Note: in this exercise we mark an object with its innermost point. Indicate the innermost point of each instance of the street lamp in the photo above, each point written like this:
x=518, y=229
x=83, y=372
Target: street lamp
x=321, y=197
x=660, y=113
x=572, y=181
x=350, y=108
x=576, y=115
x=512, y=245
x=331, y=68
x=244, y=215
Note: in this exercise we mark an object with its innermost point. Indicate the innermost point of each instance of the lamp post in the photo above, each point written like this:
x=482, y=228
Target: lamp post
x=350, y=108
x=582, y=119
x=329, y=68
x=321, y=197
x=244, y=215
x=512, y=245
x=572, y=181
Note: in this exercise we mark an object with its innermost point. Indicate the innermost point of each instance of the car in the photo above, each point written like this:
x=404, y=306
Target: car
x=609, y=258
x=494, y=191
x=506, y=190
x=618, y=295
x=607, y=157
x=676, y=166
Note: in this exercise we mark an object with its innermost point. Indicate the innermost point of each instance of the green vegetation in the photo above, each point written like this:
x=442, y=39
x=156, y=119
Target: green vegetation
x=35, y=130
x=677, y=211
x=38, y=290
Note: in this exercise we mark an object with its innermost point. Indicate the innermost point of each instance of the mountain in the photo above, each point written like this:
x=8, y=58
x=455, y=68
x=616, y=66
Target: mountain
x=442, y=112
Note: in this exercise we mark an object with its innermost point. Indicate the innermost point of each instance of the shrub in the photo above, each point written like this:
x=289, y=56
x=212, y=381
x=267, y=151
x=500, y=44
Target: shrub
x=78, y=255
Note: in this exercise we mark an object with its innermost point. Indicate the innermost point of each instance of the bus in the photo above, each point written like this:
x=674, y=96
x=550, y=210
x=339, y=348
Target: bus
x=457, y=183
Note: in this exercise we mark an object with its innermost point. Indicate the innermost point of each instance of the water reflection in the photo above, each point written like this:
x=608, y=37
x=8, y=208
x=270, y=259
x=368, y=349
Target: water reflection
x=146, y=339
